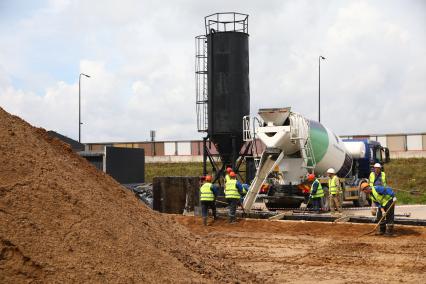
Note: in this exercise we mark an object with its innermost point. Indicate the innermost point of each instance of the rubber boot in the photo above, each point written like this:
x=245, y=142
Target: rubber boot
x=205, y=221
x=380, y=230
x=389, y=230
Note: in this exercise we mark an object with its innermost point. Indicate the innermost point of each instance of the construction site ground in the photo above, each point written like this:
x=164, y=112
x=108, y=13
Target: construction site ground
x=300, y=252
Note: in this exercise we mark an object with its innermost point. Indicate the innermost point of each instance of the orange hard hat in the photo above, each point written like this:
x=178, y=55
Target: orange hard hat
x=311, y=177
x=208, y=178
x=232, y=174
x=229, y=170
x=364, y=185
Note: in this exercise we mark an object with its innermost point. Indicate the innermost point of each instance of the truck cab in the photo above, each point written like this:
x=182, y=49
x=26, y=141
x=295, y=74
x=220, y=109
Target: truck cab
x=361, y=168
x=374, y=153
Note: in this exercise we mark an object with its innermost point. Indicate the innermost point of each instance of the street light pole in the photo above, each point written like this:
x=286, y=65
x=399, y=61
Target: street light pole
x=79, y=105
x=319, y=86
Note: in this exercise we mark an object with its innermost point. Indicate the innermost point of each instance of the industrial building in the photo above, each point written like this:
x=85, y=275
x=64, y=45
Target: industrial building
x=400, y=146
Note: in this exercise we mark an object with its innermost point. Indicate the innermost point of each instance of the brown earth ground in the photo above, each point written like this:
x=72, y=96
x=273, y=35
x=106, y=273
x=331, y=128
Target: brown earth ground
x=300, y=252
x=63, y=221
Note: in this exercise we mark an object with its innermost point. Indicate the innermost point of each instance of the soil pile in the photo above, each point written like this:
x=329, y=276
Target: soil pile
x=61, y=220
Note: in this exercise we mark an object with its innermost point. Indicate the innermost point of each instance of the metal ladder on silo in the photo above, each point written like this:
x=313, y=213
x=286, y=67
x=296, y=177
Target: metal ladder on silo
x=201, y=87
x=249, y=135
x=298, y=132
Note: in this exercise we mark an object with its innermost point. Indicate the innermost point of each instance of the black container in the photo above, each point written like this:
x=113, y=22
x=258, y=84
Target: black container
x=228, y=91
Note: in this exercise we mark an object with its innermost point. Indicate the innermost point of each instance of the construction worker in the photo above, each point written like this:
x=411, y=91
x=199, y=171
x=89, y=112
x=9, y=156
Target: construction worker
x=377, y=176
x=334, y=191
x=316, y=193
x=228, y=171
x=233, y=193
x=208, y=193
x=384, y=198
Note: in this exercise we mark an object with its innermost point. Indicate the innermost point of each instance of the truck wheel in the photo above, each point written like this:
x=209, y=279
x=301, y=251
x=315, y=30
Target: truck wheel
x=361, y=200
x=324, y=200
x=324, y=203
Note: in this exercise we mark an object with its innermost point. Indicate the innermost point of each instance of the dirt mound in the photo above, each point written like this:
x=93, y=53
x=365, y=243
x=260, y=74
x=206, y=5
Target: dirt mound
x=61, y=220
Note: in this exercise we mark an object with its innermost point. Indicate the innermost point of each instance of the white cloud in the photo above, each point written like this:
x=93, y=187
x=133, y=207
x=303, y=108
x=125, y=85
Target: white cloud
x=140, y=55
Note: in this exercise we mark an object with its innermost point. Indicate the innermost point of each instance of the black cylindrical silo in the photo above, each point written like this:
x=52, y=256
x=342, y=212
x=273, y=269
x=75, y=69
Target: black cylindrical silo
x=228, y=90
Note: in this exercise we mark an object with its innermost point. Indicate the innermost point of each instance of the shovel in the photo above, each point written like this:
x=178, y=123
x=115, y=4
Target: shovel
x=305, y=206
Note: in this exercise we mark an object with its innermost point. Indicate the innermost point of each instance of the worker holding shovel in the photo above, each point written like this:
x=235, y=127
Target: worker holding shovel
x=384, y=198
x=316, y=193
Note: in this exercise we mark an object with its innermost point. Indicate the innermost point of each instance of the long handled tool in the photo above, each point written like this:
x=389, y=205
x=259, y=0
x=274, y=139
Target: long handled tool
x=221, y=202
x=242, y=208
x=380, y=221
x=307, y=203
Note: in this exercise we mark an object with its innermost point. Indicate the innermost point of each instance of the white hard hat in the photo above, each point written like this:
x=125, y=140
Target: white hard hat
x=331, y=171
x=377, y=165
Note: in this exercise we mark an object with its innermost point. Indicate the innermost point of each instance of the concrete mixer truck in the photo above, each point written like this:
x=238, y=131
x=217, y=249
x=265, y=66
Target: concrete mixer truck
x=296, y=146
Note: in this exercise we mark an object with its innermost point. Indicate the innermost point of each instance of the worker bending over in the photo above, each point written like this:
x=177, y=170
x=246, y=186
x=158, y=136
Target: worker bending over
x=233, y=193
x=316, y=192
x=334, y=191
x=208, y=193
x=384, y=198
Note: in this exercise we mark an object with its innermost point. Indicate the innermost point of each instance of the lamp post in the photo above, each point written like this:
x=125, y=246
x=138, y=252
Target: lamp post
x=79, y=105
x=319, y=86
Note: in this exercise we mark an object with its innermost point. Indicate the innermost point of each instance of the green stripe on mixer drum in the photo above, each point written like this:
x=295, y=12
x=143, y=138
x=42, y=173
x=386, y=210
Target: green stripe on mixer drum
x=319, y=140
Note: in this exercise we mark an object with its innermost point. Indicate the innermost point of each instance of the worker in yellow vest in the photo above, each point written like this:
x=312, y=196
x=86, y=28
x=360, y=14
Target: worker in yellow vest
x=377, y=176
x=316, y=193
x=384, y=198
x=334, y=191
x=228, y=171
x=208, y=193
x=233, y=193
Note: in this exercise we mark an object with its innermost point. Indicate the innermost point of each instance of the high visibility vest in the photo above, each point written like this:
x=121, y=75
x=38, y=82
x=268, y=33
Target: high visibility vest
x=381, y=199
x=231, y=191
x=332, y=185
x=206, y=193
x=244, y=190
x=227, y=178
x=320, y=192
x=380, y=181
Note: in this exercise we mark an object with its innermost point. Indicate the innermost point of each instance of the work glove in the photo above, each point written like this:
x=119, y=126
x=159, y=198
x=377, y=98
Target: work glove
x=383, y=210
x=394, y=199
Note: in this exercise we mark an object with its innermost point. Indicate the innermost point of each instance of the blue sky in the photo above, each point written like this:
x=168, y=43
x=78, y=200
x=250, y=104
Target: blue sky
x=140, y=55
